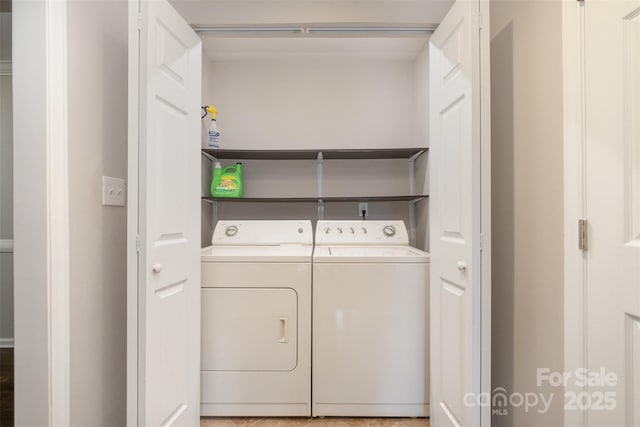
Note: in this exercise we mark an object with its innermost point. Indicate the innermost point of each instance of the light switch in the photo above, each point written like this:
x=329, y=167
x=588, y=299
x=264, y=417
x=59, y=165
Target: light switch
x=113, y=192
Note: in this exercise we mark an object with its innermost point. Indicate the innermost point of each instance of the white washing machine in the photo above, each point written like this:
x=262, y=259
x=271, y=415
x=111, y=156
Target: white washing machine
x=370, y=321
x=256, y=319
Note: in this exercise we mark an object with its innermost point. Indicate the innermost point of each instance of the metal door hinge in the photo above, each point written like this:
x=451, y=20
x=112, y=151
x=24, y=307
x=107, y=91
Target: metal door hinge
x=479, y=21
x=139, y=21
x=481, y=243
x=137, y=243
x=583, y=235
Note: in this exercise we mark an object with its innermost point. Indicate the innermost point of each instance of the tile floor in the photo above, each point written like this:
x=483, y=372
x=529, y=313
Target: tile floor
x=314, y=422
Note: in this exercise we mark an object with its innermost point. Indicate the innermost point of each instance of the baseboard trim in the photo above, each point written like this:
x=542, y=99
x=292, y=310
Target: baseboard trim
x=6, y=343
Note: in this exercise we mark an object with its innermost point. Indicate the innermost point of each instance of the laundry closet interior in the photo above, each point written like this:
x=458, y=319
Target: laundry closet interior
x=327, y=109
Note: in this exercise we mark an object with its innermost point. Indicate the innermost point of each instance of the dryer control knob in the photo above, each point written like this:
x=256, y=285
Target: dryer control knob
x=339, y=230
x=231, y=230
x=389, y=230
x=327, y=230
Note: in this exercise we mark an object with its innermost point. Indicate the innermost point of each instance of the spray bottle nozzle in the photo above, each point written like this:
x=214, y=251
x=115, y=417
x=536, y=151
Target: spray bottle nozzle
x=211, y=110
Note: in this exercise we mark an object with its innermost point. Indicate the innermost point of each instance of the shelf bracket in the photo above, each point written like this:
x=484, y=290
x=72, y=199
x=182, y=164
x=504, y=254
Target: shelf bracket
x=412, y=172
x=412, y=222
x=209, y=156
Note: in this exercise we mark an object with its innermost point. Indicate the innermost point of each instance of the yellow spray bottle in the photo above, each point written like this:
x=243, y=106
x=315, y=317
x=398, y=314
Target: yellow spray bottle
x=214, y=132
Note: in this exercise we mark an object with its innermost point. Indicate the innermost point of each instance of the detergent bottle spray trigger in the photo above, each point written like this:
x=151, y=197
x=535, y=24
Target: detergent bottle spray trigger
x=214, y=132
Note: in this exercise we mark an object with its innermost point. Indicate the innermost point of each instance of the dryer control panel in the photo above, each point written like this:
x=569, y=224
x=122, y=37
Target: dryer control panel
x=357, y=233
x=262, y=233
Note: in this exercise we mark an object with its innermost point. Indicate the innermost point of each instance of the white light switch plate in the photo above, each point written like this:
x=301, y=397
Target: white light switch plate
x=113, y=193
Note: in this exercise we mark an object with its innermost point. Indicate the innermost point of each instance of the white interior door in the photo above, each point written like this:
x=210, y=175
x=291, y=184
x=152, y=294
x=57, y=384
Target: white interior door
x=164, y=211
x=612, y=71
x=459, y=201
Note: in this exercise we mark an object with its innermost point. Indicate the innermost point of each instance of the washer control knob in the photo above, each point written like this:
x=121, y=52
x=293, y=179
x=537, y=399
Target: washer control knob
x=300, y=230
x=389, y=230
x=231, y=230
x=364, y=230
x=156, y=268
x=327, y=230
x=352, y=230
x=339, y=230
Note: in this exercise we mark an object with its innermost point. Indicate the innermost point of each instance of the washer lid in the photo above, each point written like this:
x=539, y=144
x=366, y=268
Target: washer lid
x=374, y=254
x=275, y=253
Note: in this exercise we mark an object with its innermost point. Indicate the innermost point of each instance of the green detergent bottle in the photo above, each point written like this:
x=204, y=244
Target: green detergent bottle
x=227, y=182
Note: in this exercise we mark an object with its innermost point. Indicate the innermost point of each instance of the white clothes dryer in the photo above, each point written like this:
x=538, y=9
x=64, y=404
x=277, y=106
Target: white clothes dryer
x=256, y=319
x=370, y=321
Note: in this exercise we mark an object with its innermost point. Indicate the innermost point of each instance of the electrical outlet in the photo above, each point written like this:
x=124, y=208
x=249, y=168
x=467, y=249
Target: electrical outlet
x=363, y=207
x=113, y=192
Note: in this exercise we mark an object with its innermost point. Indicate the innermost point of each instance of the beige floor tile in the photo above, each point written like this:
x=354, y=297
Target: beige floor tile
x=314, y=422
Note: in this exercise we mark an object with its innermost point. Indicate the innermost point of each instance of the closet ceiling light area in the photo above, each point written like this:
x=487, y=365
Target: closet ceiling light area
x=238, y=48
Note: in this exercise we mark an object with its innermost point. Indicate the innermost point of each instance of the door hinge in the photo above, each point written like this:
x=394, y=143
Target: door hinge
x=139, y=21
x=481, y=243
x=479, y=21
x=583, y=235
x=137, y=243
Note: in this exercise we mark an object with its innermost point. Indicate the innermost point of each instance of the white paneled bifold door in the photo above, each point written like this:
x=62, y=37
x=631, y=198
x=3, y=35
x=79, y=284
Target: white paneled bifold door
x=164, y=209
x=612, y=201
x=458, y=328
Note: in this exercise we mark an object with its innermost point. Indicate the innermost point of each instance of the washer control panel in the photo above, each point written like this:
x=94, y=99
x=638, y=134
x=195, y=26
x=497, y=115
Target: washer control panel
x=361, y=233
x=260, y=233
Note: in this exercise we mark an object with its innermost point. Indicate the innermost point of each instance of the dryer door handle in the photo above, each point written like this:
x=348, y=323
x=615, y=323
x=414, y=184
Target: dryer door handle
x=284, y=330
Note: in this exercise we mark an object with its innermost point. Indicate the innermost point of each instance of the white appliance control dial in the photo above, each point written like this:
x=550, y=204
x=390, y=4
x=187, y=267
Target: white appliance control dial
x=339, y=230
x=231, y=230
x=389, y=230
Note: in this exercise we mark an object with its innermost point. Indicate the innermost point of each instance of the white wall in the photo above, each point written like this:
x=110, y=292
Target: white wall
x=314, y=103
x=97, y=146
x=31, y=354
x=527, y=202
x=6, y=183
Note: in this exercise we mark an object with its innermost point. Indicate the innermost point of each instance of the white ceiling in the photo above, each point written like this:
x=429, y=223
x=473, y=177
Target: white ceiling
x=220, y=12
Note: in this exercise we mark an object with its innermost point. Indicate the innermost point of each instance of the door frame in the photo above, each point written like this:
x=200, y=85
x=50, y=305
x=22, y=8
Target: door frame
x=485, y=208
x=41, y=213
x=133, y=210
x=574, y=165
